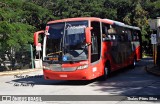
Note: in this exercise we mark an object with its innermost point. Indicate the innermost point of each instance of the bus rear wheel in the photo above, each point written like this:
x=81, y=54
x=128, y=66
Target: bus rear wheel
x=133, y=65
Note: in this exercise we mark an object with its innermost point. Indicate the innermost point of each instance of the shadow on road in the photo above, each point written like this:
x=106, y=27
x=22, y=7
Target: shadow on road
x=41, y=81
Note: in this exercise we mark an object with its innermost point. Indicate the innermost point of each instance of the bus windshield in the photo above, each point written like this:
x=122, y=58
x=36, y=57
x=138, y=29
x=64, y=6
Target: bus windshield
x=66, y=42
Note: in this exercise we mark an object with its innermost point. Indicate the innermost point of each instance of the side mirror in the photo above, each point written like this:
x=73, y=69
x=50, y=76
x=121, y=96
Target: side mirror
x=88, y=34
x=36, y=36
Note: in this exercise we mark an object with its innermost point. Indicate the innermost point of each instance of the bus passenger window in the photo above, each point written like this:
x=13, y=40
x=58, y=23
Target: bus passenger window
x=104, y=37
x=113, y=37
x=109, y=37
x=135, y=37
x=107, y=32
x=122, y=38
x=129, y=35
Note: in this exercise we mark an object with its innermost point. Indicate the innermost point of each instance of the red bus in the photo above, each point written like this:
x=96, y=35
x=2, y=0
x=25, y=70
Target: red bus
x=87, y=48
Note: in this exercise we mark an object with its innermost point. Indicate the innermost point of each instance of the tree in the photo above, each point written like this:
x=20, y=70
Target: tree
x=20, y=18
x=18, y=21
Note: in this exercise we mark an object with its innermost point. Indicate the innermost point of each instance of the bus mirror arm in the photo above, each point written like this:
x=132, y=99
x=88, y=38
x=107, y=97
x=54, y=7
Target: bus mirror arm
x=36, y=36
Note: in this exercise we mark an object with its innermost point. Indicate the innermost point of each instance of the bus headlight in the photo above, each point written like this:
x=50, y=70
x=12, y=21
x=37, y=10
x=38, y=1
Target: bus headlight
x=82, y=67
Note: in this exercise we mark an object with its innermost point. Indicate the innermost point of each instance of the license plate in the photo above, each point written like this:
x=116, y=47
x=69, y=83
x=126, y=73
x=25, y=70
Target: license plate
x=64, y=76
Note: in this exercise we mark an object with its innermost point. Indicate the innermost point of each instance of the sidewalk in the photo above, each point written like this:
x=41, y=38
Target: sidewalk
x=18, y=71
x=153, y=70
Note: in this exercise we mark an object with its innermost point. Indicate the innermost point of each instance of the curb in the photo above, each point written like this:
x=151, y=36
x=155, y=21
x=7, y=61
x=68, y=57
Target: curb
x=153, y=70
x=18, y=72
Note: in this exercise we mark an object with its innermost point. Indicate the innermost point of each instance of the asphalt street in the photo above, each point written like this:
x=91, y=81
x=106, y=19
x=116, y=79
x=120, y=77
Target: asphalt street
x=125, y=82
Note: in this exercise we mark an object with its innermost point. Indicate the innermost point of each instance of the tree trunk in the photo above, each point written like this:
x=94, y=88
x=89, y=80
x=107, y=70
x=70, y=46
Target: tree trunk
x=10, y=56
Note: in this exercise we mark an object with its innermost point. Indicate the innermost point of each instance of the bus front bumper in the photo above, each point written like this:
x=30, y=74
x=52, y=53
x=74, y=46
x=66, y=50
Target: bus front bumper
x=70, y=75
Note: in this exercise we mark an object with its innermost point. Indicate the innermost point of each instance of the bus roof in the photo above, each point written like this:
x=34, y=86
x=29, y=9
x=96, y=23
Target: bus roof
x=133, y=27
x=79, y=19
x=123, y=25
x=109, y=21
x=74, y=19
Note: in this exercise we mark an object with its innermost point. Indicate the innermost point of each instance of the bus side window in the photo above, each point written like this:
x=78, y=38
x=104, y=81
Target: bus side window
x=129, y=35
x=109, y=37
x=106, y=32
x=135, y=36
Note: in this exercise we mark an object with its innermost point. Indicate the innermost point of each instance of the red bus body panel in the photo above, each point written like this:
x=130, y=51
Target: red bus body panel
x=138, y=53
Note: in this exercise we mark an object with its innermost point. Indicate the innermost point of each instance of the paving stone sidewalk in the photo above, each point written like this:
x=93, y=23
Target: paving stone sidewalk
x=18, y=71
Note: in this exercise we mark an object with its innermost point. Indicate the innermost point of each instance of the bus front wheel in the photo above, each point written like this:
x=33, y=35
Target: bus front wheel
x=106, y=72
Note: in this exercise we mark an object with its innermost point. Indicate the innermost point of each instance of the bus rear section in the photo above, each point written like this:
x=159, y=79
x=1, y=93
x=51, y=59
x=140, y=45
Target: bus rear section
x=121, y=44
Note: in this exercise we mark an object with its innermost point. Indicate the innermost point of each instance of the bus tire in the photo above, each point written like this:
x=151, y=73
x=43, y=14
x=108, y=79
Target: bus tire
x=133, y=65
x=106, y=72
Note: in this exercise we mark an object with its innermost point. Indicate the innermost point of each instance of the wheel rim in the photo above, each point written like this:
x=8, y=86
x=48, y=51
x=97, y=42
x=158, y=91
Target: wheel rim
x=106, y=71
x=134, y=63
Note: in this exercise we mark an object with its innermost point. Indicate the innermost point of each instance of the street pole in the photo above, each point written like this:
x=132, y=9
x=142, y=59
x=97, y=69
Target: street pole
x=155, y=54
x=154, y=42
x=32, y=56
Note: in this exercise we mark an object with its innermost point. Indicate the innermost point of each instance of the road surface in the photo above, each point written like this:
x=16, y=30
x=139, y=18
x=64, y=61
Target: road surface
x=127, y=82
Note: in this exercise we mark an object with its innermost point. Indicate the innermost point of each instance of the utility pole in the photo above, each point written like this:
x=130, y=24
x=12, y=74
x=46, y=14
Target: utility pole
x=32, y=61
x=154, y=44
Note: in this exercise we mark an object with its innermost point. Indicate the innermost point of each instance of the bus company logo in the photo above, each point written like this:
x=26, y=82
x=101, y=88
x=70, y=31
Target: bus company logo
x=6, y=98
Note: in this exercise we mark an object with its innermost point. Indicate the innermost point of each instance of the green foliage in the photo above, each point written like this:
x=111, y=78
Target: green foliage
x=18, y=21
x=20, y=18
